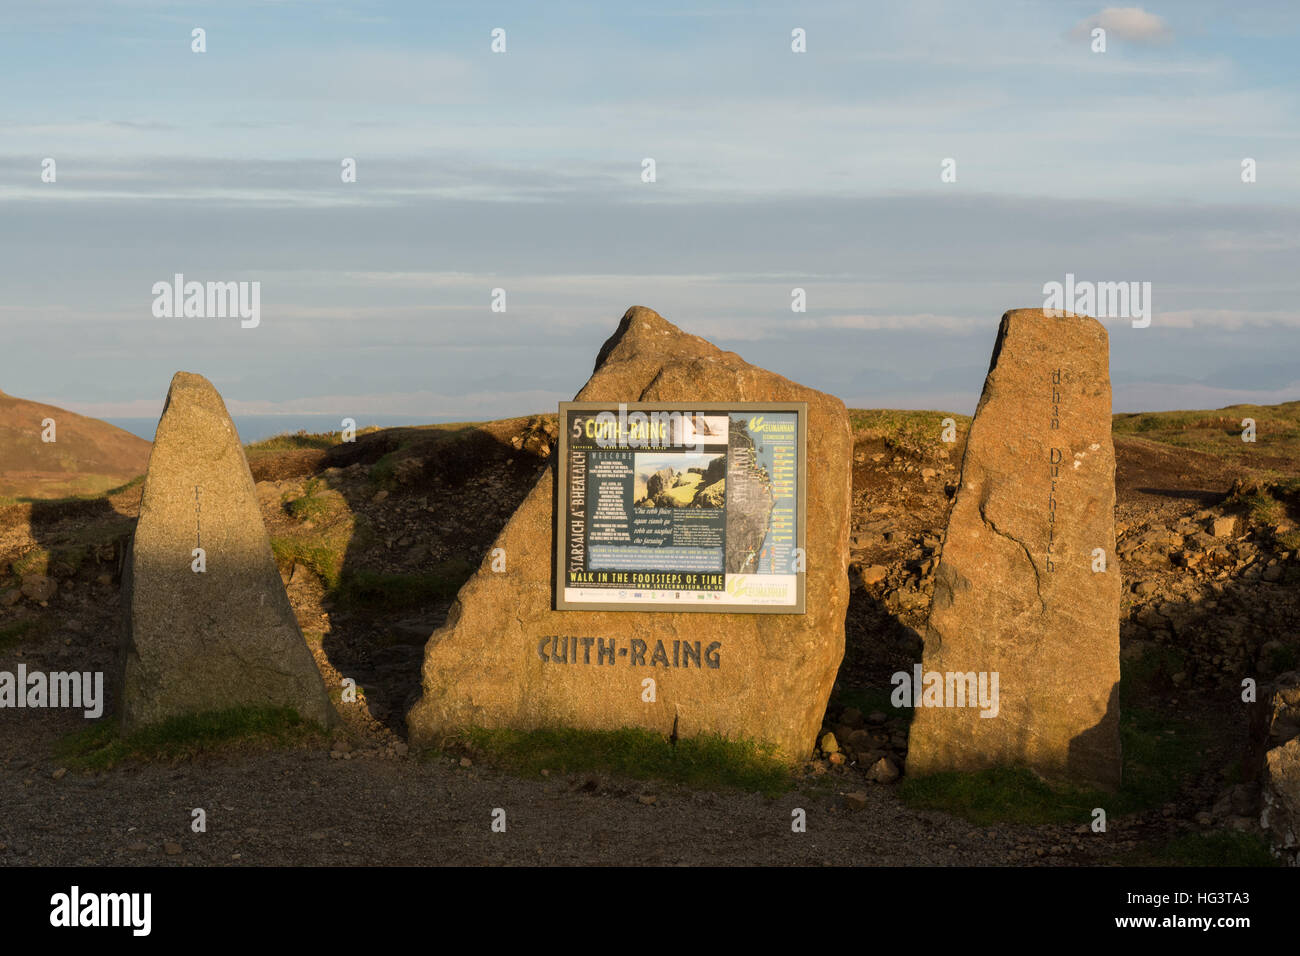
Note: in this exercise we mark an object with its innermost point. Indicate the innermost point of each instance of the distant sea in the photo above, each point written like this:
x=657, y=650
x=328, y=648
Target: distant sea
x=254, y=428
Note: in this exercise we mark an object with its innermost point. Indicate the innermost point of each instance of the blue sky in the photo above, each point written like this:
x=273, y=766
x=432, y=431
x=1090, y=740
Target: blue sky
x=522, y=171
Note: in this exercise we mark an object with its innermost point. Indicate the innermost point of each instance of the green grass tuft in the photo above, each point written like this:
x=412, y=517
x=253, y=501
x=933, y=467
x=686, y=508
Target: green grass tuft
x=1215, y=848
x=1001, y=794
x=1264, y=509
x=36, y=561
x=103, y=747
x=868, y=700
x=1270, y=503
x=65, y=559
x=298, y=440
x=701, y=762
x=904, y=429
x=322, y=556
x=135, y=482
x=383, y=473
x=1284, y=658
x=1150, y=674
x=312, y=505
x=373, y=590
x=12, y=634
x=1159, y=755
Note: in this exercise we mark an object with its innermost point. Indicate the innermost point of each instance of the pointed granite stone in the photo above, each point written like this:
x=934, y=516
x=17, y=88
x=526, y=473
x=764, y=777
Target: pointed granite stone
x=226, y=637
x=1020, y=590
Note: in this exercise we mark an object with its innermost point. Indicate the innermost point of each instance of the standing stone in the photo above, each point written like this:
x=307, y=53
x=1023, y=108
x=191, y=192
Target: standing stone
x=1281, y=778
x=775, y=671
x=1018, y=591
x=226, y=637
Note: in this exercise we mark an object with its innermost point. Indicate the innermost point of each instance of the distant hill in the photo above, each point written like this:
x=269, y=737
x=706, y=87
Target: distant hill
x=1276, y=445
x=87, y=457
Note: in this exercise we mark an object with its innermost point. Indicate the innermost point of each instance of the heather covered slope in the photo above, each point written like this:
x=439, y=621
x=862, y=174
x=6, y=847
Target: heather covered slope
x=87, y=457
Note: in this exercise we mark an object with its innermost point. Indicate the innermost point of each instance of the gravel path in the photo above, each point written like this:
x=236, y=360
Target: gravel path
x=301, y=807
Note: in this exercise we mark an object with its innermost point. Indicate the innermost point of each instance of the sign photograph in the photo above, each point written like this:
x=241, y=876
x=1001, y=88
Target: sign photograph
x=680, y=507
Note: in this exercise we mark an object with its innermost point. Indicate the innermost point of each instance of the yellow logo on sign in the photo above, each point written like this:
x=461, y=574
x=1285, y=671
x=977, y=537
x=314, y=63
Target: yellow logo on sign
x=759, y=424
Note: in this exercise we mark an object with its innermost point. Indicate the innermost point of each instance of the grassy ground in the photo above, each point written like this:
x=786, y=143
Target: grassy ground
x=327, y=531
x=298, y=441
x=1219, y=432
x=67, y=556
x=1161, y=751
x=375, y=591
x=93, y=490
x=102, y=747
x=1270, y=503
x=1217, y=848
x=11, y=635
x=904, y=429
x=703, y=762
x=1002, y=794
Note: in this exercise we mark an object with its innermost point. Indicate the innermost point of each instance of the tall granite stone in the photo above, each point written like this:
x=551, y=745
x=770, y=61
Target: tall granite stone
x=227, y=636
x=1018, y=591
x=1281, y=771
x=775, y=671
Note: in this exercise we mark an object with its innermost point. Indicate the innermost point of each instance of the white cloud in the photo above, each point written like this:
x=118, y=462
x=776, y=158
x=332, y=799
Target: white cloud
x=1229, y=319
x=1125, y=23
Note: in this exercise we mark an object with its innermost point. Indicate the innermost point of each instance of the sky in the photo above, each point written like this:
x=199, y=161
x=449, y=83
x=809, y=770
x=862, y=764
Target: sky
x=523, y=170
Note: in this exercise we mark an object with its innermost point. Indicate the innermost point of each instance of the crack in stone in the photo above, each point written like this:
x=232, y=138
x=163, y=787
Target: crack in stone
x=1038, y=580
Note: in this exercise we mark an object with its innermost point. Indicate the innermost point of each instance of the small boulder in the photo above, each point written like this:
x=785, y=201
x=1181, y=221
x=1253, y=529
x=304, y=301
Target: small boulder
x=859, y=740
x=1224, y=527
x=873, y=574
x=883, y=770
x=39, y=587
